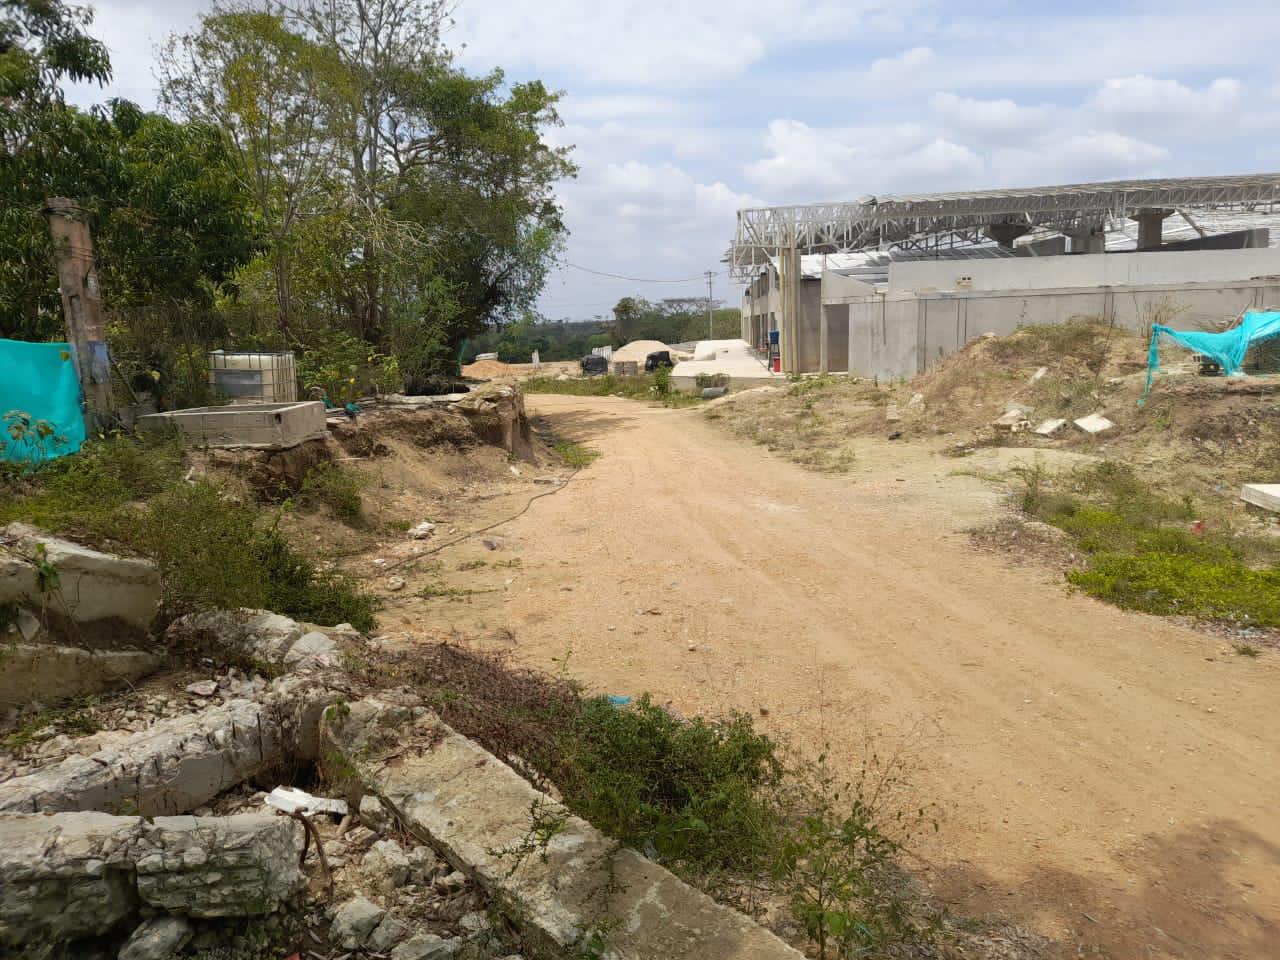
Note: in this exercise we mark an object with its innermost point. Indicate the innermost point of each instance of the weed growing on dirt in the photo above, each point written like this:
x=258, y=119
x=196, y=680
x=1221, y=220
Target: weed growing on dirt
x=212, y=550
x=647, y=386
x=714, y=800
x=690, y=792
x=1144, y=552
x=439, y=591
x=1247, y=650
x=75, y=719
x=336, y=488
x=574, y=454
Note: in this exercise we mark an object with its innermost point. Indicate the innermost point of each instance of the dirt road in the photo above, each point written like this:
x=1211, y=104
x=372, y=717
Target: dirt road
x=1109, y=778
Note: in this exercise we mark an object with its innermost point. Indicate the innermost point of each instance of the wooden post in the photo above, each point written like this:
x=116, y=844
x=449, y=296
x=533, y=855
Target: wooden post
x=82, y=308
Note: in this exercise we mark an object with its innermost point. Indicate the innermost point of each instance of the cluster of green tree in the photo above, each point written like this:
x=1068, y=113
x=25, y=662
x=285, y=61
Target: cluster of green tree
x=323, y=176
x=634, y=318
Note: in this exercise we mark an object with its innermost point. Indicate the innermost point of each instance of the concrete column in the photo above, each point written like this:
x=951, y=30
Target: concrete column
x=1088, y=240
x=1150, y=226
x=824, y=336
x=1005, y=233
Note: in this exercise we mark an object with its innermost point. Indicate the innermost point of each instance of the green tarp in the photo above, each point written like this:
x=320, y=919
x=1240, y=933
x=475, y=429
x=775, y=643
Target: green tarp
x=39, y=392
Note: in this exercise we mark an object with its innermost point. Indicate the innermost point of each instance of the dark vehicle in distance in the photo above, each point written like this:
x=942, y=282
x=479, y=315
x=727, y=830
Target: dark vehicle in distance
x=659, y=358
x=594, y=364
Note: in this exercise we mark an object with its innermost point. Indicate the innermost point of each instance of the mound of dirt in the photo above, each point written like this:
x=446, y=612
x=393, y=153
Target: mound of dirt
x=486, y=370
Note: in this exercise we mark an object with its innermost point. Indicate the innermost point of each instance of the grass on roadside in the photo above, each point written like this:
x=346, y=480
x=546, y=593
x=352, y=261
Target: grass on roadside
x=1145, y=551
x=128, y=494
x=719, y=802
x=645, y=386
x=574, y=454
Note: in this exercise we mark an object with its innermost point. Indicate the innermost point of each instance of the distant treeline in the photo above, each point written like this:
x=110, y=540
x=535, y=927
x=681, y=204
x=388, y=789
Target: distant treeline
x=633, y=319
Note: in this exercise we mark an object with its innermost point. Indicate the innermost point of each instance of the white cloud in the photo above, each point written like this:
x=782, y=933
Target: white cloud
x=808, y=163
x=1144, y=103
x=1061, y=157
x=993, y=120
x=902, y=70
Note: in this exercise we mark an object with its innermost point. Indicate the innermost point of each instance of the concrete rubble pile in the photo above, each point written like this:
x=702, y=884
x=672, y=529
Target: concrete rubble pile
x=70, y=876
x=78, y=618
x=137, y=843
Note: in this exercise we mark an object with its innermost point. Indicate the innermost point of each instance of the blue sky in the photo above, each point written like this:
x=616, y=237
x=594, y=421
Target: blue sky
x=683, y=112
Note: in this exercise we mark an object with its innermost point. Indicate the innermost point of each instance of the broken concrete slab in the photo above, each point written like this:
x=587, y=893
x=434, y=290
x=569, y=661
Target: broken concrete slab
x=1048, y=428
x=1264, y=495
x=159, y=938
x=1012, y=420
x=1094, y=423
x=477, y=810
x=98, y=592
x=46, y=673
x=183, y=762
x=170, y=768
x=496, y=413
x=74, y=875
x=355, y=921
x=259, y=635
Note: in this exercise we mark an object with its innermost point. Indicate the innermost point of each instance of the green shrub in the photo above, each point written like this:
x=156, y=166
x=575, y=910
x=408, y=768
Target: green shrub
x=296, y=588
x=336, y=488
x=1167, y=583
x=199, y=540
x=692, y=792
x=576, y=455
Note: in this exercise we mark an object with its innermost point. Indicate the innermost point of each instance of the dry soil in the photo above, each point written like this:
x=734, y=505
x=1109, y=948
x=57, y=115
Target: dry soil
x=1109, y=778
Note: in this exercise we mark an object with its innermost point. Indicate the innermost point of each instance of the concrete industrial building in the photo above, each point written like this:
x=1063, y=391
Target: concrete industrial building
x=888, y=287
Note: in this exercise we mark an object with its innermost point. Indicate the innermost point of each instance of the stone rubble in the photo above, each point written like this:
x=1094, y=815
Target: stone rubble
x=74, y=875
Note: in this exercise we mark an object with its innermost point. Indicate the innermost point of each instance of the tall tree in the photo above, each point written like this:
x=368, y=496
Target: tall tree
x=265, y=86
x=42, y=43
x=168, y=217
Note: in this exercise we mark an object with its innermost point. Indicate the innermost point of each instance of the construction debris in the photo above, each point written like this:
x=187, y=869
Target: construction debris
x=1264, y=495
x=1094, y=423
x=74, y=875
x=1048, y=428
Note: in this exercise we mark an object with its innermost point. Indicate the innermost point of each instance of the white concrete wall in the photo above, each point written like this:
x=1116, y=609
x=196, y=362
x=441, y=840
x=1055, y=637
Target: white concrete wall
x=900, y=335
x=883, y=336
x=1085, y=270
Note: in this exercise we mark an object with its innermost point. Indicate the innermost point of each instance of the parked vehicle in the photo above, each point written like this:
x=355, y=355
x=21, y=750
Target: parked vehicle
x=593, y=364
x=659, y=358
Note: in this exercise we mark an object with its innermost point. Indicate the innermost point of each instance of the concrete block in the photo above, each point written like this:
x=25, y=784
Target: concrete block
x=474, y=807
x=1264, y=495
x=47, y=673
x=74, y=875
x=259, y=425
x=1095, y=423
x=1048, y=428
x=92, y=587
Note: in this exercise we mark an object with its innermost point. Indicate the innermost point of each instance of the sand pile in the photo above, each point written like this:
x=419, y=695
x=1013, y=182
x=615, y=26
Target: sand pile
x=637, y=351
x=486, y=370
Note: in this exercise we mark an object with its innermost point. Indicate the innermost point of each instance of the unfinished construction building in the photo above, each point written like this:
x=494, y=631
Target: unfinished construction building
x=888, y=286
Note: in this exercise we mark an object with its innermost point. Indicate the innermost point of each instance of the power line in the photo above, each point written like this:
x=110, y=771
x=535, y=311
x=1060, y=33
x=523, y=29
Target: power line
x=616, y=276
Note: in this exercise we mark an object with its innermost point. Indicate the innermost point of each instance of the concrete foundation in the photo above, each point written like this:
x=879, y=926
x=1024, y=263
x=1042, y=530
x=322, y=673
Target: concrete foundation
x=1264, y=495
x=45, y=673
x=74, y=876
x=266, y=426
x=477, y=810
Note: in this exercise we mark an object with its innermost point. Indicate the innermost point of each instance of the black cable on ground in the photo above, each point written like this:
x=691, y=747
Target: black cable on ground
x=474, y=533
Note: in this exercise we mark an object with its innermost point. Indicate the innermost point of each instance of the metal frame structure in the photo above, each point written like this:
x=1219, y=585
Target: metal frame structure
x=929, y=222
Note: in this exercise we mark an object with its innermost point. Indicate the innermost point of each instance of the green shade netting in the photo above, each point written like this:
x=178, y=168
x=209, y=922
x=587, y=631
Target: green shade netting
x=39, y=380
x=1226, y=349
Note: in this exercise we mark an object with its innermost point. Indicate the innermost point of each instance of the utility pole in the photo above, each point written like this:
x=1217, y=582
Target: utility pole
x=81, y=308
x=711, y=335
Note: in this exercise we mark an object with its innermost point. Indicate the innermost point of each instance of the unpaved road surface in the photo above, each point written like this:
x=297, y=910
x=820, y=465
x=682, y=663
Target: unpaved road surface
x=1108, y=778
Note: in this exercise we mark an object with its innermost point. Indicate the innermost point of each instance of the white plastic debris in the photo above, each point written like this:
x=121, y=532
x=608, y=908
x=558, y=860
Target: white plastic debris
x=422, y=530
x=293, y=800
x=1039, y=373
x=1094, y=423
